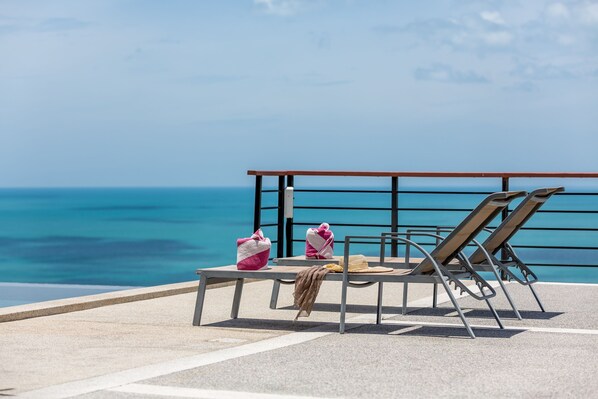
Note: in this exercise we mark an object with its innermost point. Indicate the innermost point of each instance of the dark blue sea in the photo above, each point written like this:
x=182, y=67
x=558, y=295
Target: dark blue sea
x=140, y=237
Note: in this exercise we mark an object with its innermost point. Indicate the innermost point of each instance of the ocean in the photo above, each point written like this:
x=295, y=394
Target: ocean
x=111, y=238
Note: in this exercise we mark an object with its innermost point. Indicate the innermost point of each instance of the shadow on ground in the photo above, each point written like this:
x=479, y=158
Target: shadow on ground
x=336, y=308
x=483, y=313
x=5, y=392
x=269, y=324
x=433, y=331
x=458, y=331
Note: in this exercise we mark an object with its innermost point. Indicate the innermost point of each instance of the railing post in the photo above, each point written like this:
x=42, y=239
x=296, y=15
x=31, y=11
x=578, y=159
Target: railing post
x=280, y=227
x=394, y=214
x=257, y=207
x=504, y=215
x=289, y=222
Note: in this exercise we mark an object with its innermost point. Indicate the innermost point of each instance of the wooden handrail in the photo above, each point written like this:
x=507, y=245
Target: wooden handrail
x=422, y=174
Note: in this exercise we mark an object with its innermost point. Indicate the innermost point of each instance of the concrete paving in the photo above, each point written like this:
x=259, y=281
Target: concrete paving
x=150, y=348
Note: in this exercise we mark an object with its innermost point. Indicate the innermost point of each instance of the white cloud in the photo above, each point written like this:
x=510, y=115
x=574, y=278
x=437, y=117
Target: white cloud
x=498, y=38
x=523, y=86
x=492, y=17
x=447, y=74
x=537, y=71
x=480, y=33
x=279, y=7
x=566, y=40
x=558, y=10
x=589, y=13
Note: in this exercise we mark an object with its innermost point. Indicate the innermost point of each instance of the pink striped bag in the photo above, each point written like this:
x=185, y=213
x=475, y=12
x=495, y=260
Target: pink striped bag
x=253, y=252
x=319, y=243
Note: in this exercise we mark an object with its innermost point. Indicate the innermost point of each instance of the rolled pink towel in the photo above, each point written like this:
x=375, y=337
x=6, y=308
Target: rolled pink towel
x=319, y=243
x=253, y=252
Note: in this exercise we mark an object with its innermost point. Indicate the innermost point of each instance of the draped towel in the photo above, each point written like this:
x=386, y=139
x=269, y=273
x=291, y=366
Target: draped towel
x=307, y=286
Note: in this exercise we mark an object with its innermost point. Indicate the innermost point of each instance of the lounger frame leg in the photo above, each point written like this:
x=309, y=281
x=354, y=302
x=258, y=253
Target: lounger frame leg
x=341, y=328
x=506, y=291
x=379, y=305
x=457, y=308
x=201, y=293
x=537, y=297
x=435, y=296
x=495, y=314
x=405, y=289
x=234, y=313
x=274, y=297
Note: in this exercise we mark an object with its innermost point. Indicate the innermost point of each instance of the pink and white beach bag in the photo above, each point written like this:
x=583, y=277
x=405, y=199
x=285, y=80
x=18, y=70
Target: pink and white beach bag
x=319, y=243
x=253, y=252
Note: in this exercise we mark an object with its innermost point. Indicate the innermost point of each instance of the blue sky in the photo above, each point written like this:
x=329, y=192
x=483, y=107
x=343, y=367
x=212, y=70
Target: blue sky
x=194, y=93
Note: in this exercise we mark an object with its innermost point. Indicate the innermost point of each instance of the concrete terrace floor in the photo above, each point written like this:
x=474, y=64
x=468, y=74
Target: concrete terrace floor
x=150, y=349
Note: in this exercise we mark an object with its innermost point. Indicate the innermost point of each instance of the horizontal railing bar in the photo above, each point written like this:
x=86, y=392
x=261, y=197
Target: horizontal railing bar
x=422, y=174
x=435, y=209
x=561, y=264
x=479, y=192
x=268, y=224
x=473, y=245
x=427, y=226
x=342, y=191
x=563, y=211
x=411, y=209
x=265, y=208
x=435, y=192
x=554, y=247
x=570, y=194
x=352, y=208
x=343, y=224
x=387, y=209
x=371, y=242
x=559, y=228
x=377, y=242
x=444, y=192
x=523, y=228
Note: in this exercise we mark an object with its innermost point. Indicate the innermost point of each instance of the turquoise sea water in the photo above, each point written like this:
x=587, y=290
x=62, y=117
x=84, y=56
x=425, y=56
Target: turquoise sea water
x=134, y=237
x=142, y=237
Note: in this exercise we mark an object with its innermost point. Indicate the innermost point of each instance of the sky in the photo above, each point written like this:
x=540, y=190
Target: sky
x=194, y=93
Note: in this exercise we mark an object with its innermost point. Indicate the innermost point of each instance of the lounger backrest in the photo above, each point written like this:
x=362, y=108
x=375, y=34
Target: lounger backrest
x=514, y=222
x=462, y=235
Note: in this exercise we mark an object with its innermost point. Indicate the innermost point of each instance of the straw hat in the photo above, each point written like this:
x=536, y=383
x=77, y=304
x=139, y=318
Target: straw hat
x=357, y=264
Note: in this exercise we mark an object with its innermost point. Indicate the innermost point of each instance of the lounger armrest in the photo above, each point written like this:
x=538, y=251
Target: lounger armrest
x=529, y=276
x=430, y=232
x=486, y=290
x=408, y=235
x=420, y=232
x=383, y=238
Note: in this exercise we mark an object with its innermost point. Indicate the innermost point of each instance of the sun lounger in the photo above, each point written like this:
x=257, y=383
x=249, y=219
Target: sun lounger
x=436, y=265
x=499, y=240
x=484, y=258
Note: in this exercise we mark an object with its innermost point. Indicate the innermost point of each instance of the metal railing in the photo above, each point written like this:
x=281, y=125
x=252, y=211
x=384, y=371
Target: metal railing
x=394, y=212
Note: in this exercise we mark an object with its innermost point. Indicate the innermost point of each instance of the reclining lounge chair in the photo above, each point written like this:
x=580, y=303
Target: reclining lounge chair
x=434, y=268
x=499, y=240
x=484, y=259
